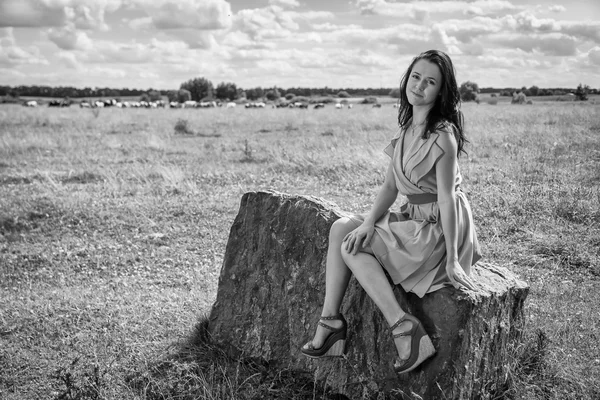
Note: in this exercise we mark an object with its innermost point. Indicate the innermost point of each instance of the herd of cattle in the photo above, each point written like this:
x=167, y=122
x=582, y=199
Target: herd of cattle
x=187, y=104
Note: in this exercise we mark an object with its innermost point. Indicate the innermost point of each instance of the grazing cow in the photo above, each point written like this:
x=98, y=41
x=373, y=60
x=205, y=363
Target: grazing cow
x=231, y=104
x=376, y=105
x=349, y=105
x=319, y=105
x=30, y=103
x=189, y=104
x=98, y=104
x=85, y=104
x=338, y=106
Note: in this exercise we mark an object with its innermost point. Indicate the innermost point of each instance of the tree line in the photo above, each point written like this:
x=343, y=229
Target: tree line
x=201, y=89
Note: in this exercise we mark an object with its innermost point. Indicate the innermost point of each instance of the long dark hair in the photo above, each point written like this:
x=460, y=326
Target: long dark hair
x=446, y=108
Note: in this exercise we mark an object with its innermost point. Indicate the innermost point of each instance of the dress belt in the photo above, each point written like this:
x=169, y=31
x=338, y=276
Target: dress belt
x=424, y=198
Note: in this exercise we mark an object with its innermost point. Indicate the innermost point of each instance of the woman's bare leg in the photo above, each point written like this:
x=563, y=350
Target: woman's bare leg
x=372, y=278
x=337, y=276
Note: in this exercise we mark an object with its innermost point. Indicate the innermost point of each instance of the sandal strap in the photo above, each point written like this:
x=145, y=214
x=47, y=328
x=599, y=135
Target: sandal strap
x=332, y=317
x=405, y=318
x=327, y=326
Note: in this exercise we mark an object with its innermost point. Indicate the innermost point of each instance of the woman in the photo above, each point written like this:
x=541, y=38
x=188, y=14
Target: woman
x=430, y=243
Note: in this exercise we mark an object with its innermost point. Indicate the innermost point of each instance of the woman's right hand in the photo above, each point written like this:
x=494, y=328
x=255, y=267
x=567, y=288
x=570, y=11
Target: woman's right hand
x=360, y=237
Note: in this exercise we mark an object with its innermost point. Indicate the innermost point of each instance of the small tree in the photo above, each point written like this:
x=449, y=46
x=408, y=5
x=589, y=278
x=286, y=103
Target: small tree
x=582, y=92
x=534, y=91
x=226, y=91
x=183, y=95
x=289, y=96
x=145, y=97
x=199, y=88
x=172, y=95
x=155, y=95
x=273, y=94
x=468, y=91
x=343, y=94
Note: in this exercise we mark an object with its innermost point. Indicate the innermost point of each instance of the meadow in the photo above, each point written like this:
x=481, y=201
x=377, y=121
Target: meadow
x=113, y=226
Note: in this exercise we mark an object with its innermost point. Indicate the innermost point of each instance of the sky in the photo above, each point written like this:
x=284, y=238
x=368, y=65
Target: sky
x=295, y=43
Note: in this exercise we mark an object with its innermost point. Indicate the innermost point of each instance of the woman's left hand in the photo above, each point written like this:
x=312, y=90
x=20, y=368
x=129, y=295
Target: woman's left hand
x=458, y=277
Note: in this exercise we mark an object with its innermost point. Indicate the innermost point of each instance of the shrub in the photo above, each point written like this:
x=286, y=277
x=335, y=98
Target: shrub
x=582, y=92
x=395, y=93
x=519, y=98
x=182, y=128
x=369, y=100
x=289, y=96
x=343, y=94
x=468, y=91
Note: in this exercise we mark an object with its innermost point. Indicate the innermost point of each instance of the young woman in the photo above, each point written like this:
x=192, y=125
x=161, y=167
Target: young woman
x=430, y=242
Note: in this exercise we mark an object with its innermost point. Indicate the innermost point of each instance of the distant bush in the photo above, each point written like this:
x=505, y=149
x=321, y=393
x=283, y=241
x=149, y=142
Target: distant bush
x=301, y=99
x=492, y=100
x=395, y=93
x=343, y=94
x=369, y=100
x=582, y=92
x=519, y=98
x=325, y=100
x=468, y=91
x=182, y=128
x=289, y=96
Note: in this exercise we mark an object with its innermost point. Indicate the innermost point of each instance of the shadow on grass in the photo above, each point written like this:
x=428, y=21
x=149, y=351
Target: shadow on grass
x=201, y=369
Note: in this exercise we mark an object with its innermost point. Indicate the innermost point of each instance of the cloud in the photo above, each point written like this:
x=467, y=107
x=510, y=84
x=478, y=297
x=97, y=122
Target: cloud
x=557, y=9
x=265, y=23
x=70, y=60
x=594, y=56
x=288, y=3
x=12, y=55
x=419, y=10
x=553, y=44
x=190, y=14
x=32, y=13
x=589, y=30
x=68, y=38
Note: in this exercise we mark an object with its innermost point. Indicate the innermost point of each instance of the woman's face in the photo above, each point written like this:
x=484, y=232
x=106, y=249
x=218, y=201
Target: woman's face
x=424, y=84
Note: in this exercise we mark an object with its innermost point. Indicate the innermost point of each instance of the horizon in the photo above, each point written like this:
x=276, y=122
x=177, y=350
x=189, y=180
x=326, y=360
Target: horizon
x=296, y=43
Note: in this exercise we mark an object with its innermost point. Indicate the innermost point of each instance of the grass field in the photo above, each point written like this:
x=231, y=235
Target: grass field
x=113, y=227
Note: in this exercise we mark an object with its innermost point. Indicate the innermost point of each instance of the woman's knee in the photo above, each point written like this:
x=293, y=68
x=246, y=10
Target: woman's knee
x=340, y=229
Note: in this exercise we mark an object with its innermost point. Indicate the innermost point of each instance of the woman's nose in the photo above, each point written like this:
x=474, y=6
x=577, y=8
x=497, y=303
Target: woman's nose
x=422, y=85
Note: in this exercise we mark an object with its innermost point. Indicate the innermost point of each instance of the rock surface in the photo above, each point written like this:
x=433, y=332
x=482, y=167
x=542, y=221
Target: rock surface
x=269, y=300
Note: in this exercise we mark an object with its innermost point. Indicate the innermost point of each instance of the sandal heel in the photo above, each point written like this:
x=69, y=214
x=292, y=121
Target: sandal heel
x=335, y=343
x=421, y=345
x=337, y=350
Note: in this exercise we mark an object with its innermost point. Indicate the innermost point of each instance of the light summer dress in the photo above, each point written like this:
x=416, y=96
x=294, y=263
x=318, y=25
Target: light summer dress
x=410, y=243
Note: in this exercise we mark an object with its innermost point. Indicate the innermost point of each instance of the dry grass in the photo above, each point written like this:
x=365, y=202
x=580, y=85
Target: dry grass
x=113, y=229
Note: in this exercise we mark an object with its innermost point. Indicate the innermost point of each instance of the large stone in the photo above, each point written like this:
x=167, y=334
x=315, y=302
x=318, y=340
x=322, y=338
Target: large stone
x=271, y=290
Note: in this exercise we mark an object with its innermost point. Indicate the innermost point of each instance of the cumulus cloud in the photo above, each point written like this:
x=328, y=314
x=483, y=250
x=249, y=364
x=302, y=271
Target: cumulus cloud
x=199, y=15
x=554, y=44
x=70, y=60
x=594, y=56
x=13, y=55
x=419, y=10
x=288, y=3
x=557, y=9
x=265, y=23
x=69, y=38
x=32, y=13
